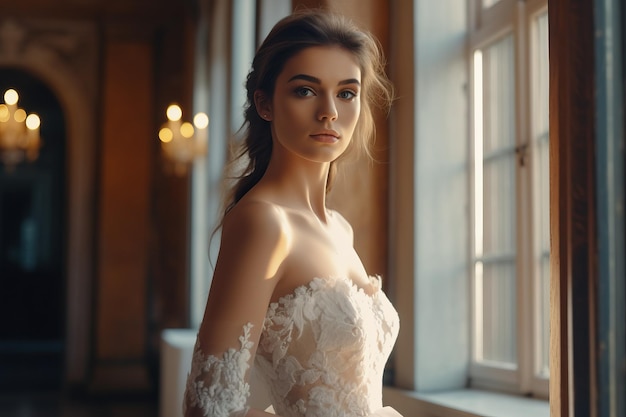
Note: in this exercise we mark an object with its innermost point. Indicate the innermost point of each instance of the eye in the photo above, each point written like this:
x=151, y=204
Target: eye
x=304, y=92
x=347, y=95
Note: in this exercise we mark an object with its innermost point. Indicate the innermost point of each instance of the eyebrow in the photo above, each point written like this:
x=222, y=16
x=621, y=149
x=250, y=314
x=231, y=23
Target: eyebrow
x=316, y=80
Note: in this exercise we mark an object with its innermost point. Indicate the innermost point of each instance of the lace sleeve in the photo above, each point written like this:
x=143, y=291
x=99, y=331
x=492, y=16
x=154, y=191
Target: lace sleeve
x=217, y=387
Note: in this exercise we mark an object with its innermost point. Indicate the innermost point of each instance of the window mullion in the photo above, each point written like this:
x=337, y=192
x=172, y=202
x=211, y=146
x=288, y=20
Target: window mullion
x=525, y=204
x=539, y=139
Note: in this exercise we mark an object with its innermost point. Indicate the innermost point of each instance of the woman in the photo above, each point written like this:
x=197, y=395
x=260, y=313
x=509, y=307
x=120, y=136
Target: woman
x=289, y=289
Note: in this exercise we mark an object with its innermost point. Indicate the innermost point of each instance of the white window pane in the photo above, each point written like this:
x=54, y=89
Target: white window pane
x=499, y=205
x=489, y=3
x=543, y=170
x=542, y=291
x=494, y=194
x=499, y=95
x=541, y=102
x=499, y=334
x=495, y=203
x=544, y=322
x=540, y=106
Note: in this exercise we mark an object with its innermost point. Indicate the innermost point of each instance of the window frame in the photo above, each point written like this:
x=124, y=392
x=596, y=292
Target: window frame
x=487, y=26
x=428, y=233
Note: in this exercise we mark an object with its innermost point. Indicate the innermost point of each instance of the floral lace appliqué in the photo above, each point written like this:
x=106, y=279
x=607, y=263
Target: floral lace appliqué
x=323, y=349
x=217, y=387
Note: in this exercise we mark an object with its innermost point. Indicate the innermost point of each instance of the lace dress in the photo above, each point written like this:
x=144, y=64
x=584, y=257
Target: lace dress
x=321, y=352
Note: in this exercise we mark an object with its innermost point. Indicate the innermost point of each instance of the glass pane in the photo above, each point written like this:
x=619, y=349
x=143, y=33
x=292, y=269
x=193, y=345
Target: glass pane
x=541, y=81
x=499, y=96
x=494, y=203
x=489, y=3
x=540, y=106
x=544, y=322
x=494, y=147
x=499, y=205
x=543, y=183
x=541, y=125
x=499, y=334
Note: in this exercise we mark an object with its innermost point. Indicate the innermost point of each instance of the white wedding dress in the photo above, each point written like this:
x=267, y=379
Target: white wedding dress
x=321, y=353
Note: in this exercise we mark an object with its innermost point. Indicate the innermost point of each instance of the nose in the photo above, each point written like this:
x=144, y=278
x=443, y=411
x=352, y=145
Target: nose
x=327, y=109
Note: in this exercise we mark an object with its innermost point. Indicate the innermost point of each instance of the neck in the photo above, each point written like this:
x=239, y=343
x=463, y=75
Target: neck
x=299, y=184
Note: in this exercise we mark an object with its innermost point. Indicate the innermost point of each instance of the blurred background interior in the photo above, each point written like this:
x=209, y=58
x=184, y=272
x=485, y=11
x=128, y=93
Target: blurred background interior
x=105, y=223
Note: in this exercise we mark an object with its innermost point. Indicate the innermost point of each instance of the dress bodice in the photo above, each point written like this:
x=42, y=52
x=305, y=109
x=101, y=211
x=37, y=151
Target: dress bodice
x=321, y=352
x=323, y=349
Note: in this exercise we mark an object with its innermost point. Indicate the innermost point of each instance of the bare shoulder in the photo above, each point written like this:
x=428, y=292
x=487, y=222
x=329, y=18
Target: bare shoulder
x=255, y=213
x=255, y=243
x=256, y=222
x=343, y=222
x=253, y=248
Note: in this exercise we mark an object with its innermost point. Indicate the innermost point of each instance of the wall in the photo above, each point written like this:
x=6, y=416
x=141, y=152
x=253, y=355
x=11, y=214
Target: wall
x=114, y=66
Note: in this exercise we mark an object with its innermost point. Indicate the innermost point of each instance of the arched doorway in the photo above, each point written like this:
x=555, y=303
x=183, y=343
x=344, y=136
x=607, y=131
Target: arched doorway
x=33, y=245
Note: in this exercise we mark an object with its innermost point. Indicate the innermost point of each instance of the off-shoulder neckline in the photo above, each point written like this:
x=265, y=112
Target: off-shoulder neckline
x=312, y=285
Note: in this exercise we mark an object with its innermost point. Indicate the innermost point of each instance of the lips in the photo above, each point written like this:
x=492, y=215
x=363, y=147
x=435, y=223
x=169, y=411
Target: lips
x=326, y=136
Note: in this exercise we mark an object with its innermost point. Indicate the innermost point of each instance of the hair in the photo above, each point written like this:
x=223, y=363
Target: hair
x=298, y=31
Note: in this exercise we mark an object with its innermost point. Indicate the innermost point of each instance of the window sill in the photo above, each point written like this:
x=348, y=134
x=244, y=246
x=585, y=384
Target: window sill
x=464, y=403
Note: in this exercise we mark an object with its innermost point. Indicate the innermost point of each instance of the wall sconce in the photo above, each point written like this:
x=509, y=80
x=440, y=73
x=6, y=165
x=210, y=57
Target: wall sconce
x=181, y=142
x=19, y=133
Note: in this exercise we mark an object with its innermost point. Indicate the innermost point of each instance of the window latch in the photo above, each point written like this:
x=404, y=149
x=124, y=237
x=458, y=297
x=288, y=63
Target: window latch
x=522, y=151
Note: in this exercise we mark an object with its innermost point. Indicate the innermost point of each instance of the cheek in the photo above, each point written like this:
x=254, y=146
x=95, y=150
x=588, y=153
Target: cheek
x=291, y=111
x=351, y=115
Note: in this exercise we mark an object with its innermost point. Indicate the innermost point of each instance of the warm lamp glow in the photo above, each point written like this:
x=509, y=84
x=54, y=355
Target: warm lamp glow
x=181, y=142
x=166, y=134
x=186, y=130
x=20, y=115
x=11, y=97
x=33, y=122
x=201, y=120
x=174, y=113
x=19, y=132
x=4, y=113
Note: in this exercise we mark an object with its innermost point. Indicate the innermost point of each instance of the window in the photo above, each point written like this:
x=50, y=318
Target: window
x=432, y=257
x=510, y=196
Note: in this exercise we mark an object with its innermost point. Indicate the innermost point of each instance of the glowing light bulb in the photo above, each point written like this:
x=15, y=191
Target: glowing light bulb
x=4, y=113
x=20, y=115
x=11, y=97
x=201, y=120
x=166, y=135
x=174, y=113
x=32, y=121
x=186, y=130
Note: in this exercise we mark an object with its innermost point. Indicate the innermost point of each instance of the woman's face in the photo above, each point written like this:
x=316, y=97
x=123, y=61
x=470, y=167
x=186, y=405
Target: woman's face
x=316, y=103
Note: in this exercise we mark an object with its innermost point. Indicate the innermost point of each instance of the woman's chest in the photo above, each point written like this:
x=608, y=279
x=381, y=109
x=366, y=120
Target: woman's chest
x=315, y=253
x=332, y=315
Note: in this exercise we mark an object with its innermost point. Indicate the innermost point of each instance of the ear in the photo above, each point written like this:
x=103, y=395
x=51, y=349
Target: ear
x=263, y=105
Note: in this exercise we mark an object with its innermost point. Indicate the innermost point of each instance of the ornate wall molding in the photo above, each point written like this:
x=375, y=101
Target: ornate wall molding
x=64, y=55
x=53, y=50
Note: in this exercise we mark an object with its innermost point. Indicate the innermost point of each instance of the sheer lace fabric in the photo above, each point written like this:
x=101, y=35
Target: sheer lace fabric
x=321, y=352
x=323, y=349
x=217, y=387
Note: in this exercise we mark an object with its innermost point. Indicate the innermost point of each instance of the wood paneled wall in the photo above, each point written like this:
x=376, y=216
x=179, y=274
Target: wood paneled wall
x=142, y=279
x=136, y=283
x=124, y=209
